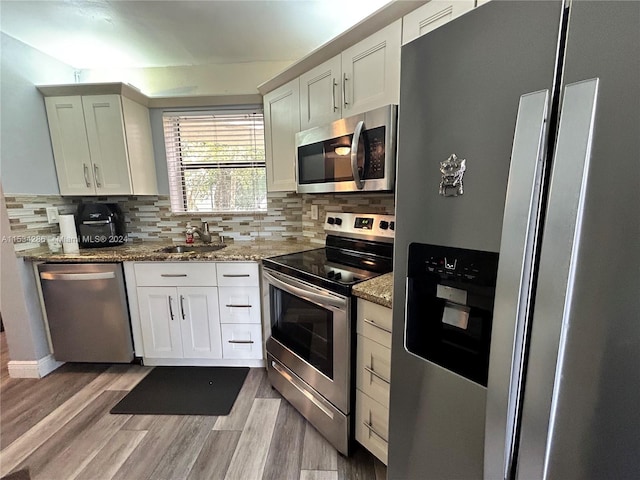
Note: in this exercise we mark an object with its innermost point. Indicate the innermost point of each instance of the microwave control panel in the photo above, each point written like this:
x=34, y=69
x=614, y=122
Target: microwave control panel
x=374, y=145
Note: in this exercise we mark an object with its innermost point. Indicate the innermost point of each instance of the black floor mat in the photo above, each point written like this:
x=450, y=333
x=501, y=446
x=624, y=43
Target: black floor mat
x=185, y=391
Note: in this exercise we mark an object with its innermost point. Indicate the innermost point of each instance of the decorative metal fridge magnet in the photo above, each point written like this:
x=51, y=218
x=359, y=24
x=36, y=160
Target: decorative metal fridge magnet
x=452, y=172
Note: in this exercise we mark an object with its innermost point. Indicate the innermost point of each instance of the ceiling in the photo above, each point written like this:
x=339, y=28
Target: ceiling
x=93, y=34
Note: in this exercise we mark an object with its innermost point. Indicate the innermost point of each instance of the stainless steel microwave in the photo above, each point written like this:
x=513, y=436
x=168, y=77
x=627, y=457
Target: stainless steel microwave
x=354, y=154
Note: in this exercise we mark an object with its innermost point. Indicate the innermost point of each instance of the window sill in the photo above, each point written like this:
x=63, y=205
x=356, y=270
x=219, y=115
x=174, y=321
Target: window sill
x=217, y=213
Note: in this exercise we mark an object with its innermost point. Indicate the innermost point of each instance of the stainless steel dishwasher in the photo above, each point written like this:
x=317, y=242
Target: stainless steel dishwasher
x=86, y=307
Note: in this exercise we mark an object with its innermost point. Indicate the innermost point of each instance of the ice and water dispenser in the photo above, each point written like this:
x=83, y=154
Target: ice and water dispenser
x=450, y=294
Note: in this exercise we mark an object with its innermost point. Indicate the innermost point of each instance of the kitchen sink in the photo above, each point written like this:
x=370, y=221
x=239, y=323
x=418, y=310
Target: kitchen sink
x=192, y=248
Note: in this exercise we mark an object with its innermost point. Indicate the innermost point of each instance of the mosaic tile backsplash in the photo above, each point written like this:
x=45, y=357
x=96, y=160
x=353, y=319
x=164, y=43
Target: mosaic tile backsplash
x=288, y=216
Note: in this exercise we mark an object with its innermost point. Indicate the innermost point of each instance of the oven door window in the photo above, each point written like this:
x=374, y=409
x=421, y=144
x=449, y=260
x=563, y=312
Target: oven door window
x=304, y=327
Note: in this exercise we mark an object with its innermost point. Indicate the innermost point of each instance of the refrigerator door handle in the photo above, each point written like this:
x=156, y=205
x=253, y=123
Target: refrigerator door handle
x=514, y=282
x=556, y=273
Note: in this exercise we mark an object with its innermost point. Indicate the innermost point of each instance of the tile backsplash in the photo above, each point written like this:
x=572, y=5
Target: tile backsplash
x=288, y=216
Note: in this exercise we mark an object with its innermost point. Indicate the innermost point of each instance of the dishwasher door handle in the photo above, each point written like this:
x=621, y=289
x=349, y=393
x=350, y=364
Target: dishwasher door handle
x=77, y=276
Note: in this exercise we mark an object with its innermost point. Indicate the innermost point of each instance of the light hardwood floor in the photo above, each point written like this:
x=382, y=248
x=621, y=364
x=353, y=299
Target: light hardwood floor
x=60, y=428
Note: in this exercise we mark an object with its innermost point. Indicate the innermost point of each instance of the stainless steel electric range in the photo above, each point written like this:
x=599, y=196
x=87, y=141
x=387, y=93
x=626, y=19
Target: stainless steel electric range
x=311, y=316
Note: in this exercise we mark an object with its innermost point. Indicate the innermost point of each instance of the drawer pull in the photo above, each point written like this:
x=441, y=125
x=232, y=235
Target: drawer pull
x=240, y=341
x=376, y=374
x=371, y=322
x=235, y=275
x=238, y=306
x=372, y=430
x=172, y=275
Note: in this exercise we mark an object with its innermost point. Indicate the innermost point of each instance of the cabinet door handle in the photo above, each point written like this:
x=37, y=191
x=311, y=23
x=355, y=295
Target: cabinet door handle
x=182, y=306
x=86, y=174
x=344, y=89
x=372, y=430
x=96, y=173
x=238, y=306
x=333, y=94
x=171, y=275
x=171, y=307
x=235, y=275
x=376, y=374
x=240, y=341
x=371, y=322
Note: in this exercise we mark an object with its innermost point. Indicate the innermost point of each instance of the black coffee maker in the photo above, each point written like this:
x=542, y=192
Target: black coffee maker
x=100, y=225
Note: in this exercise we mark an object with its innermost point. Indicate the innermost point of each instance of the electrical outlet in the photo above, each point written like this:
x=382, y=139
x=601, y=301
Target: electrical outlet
x=314, y=212
x=53, y=214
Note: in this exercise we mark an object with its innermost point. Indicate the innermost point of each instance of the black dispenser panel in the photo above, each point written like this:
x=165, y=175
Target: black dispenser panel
x=450, y=294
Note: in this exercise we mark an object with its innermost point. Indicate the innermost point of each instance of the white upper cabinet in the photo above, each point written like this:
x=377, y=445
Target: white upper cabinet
x=321, y=94
x=101, y=145
x=371, y=71
x=70, y=145
x=431, y=16
x=363, y=77
x=282, y=122
x=107, y=143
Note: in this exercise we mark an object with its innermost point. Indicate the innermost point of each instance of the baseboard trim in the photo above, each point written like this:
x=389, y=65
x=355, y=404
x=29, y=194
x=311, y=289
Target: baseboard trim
x=32, y=368
x=193, y=362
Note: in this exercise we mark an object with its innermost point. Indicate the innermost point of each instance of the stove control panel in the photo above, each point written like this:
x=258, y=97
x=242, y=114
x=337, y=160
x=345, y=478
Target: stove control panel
x=371, y=226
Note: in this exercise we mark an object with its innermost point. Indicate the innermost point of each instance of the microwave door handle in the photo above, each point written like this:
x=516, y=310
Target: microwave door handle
x=354, y=154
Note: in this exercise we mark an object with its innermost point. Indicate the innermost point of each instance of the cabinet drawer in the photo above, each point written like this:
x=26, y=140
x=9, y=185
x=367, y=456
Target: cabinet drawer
x=175, y=274
x=242, y=341
x=372, y=426
x=374, y=322
x=238, y=274
x=373, y=370
x=239, y=304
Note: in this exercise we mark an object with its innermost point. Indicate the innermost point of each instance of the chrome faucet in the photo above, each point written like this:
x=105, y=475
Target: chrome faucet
x=203, y=233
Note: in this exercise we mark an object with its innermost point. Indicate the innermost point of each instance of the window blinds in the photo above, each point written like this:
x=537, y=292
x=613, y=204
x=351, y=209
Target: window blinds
x=215, y=160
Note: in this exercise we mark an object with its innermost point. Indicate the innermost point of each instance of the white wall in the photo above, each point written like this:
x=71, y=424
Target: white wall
x=191, y=80
x=26, y=158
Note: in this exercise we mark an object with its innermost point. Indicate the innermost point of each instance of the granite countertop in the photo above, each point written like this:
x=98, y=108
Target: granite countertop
x=377, y=290
x=148, y=251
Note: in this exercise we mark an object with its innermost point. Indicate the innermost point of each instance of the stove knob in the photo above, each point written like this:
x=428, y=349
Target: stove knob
x=331, y=220
x=338, y=221
x=384, y=224
x=337, y=276
x=331, y=274
x=392, y=226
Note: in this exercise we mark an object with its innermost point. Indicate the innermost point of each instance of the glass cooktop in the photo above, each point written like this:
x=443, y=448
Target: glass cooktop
x=326, y=267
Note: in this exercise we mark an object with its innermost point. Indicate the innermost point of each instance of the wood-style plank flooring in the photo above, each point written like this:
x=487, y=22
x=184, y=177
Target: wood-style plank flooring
x=60, y=428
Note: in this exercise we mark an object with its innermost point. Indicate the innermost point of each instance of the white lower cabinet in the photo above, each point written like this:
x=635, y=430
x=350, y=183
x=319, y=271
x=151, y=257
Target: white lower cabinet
x=372, y=426
x=196, y=313
x=242, y=340
x=239, y=304
x=180, y=322
x=160, y=332
x=373, y=377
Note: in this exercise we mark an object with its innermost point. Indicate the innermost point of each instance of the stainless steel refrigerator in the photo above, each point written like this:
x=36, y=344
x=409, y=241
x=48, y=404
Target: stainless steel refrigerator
x=516, y=317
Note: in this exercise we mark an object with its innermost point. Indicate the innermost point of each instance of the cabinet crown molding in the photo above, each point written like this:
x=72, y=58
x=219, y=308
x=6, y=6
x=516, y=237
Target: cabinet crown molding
x=118, y=88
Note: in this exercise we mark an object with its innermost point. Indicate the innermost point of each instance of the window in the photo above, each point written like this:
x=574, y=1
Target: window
x=215, y=161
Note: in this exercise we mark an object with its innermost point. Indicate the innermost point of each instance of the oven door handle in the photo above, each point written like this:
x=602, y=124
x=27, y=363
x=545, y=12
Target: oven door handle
x=319, y=298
